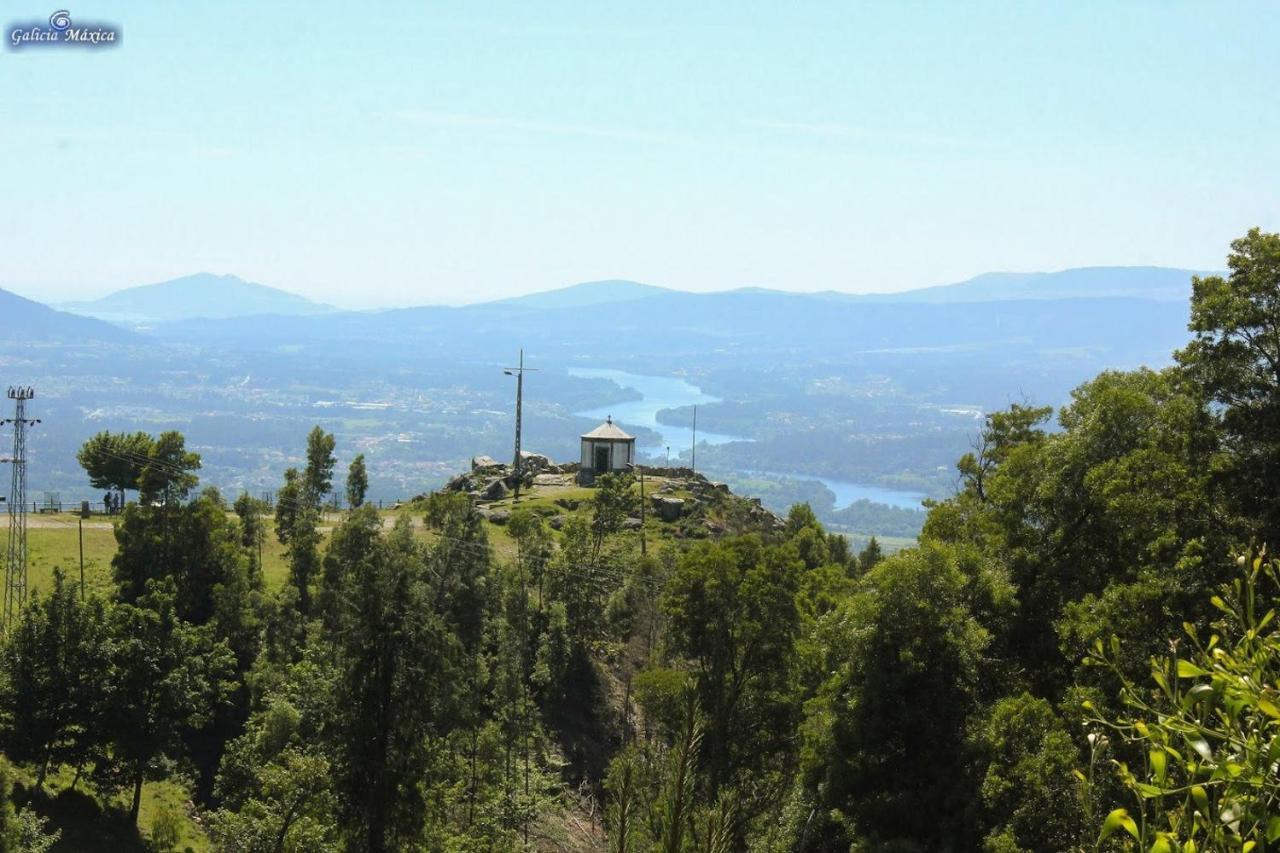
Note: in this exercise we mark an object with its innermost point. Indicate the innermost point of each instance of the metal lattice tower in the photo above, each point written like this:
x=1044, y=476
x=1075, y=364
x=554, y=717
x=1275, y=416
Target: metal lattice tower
x=15, y=567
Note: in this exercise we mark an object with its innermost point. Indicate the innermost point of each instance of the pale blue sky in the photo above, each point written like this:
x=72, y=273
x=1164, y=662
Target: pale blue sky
x=447, y=152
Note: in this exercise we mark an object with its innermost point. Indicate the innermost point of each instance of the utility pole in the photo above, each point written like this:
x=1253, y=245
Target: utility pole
x=15, y=567
x=80, y=527
x=639, y=470
x=518, y=373
x=693, y=452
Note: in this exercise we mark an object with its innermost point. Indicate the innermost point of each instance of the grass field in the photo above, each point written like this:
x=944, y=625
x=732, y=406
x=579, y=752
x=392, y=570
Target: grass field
x=55, y=543
x=91, y=820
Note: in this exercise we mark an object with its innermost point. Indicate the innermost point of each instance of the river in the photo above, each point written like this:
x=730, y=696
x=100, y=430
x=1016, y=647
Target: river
x=669, y=392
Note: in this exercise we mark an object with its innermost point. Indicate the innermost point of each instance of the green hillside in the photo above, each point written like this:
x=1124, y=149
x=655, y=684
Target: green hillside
x=1081, y=651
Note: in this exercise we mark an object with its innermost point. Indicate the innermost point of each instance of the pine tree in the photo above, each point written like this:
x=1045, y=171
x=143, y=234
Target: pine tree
x=357, y=482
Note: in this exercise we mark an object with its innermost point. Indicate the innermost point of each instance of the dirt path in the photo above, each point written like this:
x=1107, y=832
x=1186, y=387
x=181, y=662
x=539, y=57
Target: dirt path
x=35, y=522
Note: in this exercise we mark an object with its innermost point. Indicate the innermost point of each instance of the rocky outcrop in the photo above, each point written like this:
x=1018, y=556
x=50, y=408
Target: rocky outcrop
x=668, y=509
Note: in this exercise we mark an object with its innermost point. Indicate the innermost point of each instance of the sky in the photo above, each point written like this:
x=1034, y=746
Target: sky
x=433, y=152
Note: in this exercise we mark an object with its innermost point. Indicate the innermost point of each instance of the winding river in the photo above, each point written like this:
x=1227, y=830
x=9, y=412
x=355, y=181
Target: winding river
x=668, y=392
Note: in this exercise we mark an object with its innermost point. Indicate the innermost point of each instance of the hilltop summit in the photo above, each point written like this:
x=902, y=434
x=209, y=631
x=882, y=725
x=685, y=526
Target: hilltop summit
x=203, y=295
x=679, y=503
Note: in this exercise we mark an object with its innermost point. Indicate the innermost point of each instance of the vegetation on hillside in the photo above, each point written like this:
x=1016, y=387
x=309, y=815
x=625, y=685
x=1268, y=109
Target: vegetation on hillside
x=1081, y=653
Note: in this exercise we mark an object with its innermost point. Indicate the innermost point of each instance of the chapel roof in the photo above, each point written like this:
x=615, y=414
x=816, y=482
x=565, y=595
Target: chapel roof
x=609, y=432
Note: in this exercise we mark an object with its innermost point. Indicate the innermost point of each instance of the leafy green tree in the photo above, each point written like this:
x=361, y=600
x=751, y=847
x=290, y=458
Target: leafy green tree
x=198, y=548
x=317, y=477
x=732, y=611
x=612, y=504
x=253, y=530
x=167, y=676
x=289, y=501
x=395, y=656
x=578, y=581
x=869, y=556
x=1029, y=790
x=276, y=781
x=351, y=542
x=304, y=555
x=1005, y=431
x=168, y=475
x=1202, y=736
x=1234, y=359
x=357, y=482
x=291, y=812
x=533, y=549
x=115, y=460
x=908, y=668
x=1091, y=519
x=55, y=667
x=460, y=563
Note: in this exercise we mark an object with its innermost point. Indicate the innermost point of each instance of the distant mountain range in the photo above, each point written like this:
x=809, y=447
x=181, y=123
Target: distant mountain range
x=1162, y=284
x=225, y=307
x=203, y=295
x=587, y=293
x=30, y=321
x=208, y=296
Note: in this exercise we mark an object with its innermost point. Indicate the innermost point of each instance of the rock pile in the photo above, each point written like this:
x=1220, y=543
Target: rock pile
x=490, y=480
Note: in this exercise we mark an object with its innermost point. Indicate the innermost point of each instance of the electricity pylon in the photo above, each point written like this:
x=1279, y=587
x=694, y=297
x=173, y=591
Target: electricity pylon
x=15, y=567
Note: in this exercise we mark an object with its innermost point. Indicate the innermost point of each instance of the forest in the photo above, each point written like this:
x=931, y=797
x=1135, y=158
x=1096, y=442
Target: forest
x=1080, y=654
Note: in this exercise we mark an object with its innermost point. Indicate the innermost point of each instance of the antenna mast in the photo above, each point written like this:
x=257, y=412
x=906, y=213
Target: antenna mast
x=15, y=567
x=518, y=373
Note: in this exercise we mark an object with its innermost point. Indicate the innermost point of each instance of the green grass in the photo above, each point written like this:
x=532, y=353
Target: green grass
x=50, y=548
x=889, y=544
x=90, y=819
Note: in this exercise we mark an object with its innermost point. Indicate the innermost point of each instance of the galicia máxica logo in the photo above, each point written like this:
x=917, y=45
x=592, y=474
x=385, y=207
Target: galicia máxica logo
x=61, y=31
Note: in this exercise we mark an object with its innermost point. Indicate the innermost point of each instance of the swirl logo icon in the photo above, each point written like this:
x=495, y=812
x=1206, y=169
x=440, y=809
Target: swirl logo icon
x=60, y=20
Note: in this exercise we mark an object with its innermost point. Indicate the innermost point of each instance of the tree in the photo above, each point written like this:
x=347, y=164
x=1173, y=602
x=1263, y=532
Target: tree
x=304, y=555
x=357, y=482
x=1202, y=736
x=167, y=676
x=869, y=556
x=54, y=685
x=612, y=504
x=297, y=522
x=167, y=477
x=253, y=531
x=1235, y=360
x=1029, y=790
x=732, y=611
x=115, y=460
x=198, y=548
x=395, y=656
x=885, y=734
x=317, y=477
x=275, y=780
x=533, y=549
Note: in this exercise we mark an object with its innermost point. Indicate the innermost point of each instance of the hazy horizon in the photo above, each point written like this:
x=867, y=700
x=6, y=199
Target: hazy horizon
x=445, y=154
x=63, y=303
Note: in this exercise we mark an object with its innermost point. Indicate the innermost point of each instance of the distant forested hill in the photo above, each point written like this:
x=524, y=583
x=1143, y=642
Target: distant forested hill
x=30, y=321
x=195, y=296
